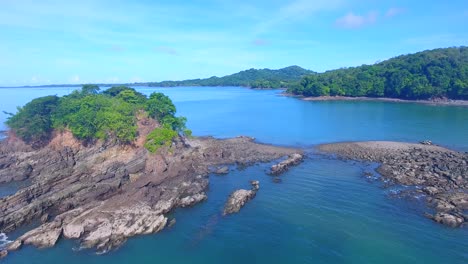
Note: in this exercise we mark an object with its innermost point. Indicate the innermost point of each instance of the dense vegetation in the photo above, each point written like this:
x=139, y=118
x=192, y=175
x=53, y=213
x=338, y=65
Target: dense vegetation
x=91, y=115
x=424, y=75
x=264, y=78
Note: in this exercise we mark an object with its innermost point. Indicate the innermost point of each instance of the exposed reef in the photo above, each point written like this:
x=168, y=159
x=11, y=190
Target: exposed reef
x=103, y=194
x=239, y=198
x=441, y=174
x=284, y=165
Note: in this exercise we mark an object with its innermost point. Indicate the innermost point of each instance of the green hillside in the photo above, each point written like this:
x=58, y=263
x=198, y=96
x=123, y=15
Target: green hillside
x=423, y=75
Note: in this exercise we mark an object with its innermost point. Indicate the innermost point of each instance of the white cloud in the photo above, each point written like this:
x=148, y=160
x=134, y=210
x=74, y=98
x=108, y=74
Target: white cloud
x=352, y=20
x=394, y=11
x=295, y=10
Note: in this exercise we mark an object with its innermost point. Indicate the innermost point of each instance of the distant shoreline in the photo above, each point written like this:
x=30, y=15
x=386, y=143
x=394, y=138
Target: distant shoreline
x=449, y=102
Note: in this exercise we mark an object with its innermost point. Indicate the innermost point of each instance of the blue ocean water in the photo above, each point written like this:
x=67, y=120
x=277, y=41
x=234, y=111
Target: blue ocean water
x=323, y=211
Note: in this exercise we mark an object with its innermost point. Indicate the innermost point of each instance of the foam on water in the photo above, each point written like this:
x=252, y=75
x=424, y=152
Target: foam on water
x=3, y=241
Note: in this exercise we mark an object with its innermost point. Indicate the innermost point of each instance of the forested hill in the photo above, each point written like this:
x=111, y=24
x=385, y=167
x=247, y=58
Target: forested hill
x=262, y=78
x=423, y=75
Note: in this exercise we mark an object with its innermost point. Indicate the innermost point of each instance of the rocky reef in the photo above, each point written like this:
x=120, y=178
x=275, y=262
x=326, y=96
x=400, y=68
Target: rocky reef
x=239, y=198
x=284, y=165
x=102, y=194
x=438, y=173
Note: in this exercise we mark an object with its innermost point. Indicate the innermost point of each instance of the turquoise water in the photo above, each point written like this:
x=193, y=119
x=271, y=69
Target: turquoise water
x=323, y=211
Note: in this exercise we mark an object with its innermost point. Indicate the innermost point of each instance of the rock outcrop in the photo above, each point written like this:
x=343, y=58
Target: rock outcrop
x=239, y=198
x=284, y=165
x=439, y=173
x=103, y=194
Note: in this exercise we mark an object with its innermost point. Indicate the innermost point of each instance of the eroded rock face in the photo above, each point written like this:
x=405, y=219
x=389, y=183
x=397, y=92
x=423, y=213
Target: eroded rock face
x=283, y=166
x=239, y=198
x=441, y=174
x=103, y=194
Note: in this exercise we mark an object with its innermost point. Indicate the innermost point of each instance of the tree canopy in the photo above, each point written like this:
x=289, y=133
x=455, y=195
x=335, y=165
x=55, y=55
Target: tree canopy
x=90, y=115
x=423, y=75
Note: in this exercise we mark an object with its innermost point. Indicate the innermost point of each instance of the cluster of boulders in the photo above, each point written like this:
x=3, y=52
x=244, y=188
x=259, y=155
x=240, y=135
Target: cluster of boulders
x=439, y=173
x=239, y=198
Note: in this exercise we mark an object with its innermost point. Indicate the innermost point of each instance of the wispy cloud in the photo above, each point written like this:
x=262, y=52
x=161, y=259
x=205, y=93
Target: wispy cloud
x=298, y=9
x=352, y=21
x=394, y=11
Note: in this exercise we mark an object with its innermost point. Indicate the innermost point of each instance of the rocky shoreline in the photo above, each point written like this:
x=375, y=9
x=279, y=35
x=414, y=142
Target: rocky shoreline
x=435, y=101
x=438, y=173
x=103, y=194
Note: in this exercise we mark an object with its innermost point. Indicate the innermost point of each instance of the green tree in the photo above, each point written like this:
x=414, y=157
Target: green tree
x=32, y=123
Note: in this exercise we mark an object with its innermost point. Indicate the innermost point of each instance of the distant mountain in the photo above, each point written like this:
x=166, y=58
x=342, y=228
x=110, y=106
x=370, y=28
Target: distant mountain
x=423, y=75
x=261, y=78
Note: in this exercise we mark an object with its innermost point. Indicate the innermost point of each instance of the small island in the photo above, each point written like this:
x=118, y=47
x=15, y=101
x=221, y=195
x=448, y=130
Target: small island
x=106, y=166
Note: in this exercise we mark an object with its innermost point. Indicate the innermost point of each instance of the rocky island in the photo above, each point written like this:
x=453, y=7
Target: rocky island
x=439, y=173
x=103, y=182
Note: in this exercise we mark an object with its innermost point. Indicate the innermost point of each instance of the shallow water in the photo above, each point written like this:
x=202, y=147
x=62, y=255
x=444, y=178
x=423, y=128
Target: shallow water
x=324, y=211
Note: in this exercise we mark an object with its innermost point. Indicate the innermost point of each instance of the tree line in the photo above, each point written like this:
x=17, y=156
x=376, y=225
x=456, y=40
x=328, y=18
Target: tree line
x=423, y=75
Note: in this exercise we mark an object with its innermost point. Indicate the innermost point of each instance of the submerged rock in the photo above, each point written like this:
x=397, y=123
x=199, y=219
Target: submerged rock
x=239, y=198
x=3, y=253
x=222, y=170
x=284, y=165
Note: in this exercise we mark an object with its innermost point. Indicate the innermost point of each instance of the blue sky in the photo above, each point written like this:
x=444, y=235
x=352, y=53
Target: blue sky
x=89, y=41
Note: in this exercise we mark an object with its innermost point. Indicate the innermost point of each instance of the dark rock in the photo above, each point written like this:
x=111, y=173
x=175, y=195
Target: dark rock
x=426, y=142
x=277, y=180
x=3, y=253
x=448, y=219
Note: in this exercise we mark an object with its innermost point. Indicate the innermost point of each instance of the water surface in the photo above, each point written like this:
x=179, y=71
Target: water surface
x=324, y=211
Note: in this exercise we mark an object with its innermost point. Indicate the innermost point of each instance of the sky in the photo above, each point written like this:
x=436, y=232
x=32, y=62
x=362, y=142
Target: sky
x=112, y=41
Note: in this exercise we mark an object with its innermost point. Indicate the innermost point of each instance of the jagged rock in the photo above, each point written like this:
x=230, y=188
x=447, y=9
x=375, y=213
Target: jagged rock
x=448, y=219
x=239, y=198
x=191, y=200
x=102, y=194
x=283, y=166
x=44, y=218
x=3, y=253
x=426, y=142
x=42, y=237
x=222, y=170
x=15, y=245
x=255, y=185
x=431, y=190
x=439, y=172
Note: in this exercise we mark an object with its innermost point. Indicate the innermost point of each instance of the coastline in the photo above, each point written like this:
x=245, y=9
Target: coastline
x=437, y=173
x=438, y=102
